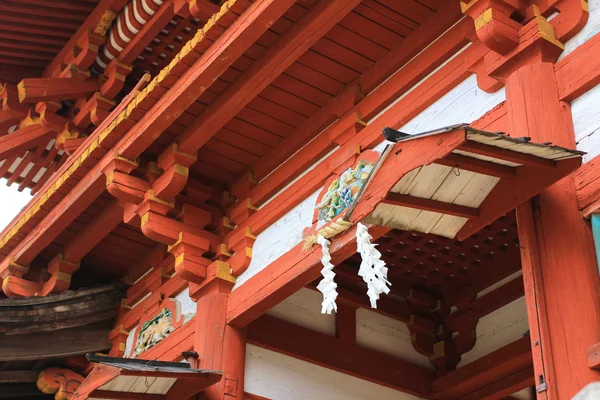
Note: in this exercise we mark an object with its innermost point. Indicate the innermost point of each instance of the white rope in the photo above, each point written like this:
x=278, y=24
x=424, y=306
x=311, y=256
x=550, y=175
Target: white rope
x=372, y=268
x=327, y=286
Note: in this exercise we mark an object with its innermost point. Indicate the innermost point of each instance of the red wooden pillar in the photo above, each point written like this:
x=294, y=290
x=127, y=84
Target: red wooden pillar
x=219, y=346
x=560, y=271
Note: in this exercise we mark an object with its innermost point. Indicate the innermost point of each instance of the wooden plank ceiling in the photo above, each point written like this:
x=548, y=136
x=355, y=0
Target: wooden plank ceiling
x=32, y=32
x=359, y=40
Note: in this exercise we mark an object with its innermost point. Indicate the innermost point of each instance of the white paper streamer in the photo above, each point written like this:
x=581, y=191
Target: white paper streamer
x=327, y=286
x=372, y=268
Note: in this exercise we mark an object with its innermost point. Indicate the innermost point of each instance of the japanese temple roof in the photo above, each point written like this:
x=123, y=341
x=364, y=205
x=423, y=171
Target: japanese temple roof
x=482, y=177
x=79, y=322
x=350, y=49
x=170, y=380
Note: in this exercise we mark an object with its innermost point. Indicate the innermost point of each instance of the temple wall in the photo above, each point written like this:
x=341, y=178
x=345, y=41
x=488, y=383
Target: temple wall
x=497, y=329
x=586, y=118
x=277, y=376
x=463, y=104
x=373, y=331
x=185, y=310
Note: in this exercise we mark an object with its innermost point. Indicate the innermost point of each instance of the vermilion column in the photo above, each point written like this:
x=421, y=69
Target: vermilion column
x=219, y=346
x=564, y=302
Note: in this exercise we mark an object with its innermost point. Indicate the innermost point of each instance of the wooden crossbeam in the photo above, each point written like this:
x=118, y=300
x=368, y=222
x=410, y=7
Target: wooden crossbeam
x=231, y=45
x=108, y=394
x=476, y=165
x=33, y=90
x=488, y=370
x=304, y=33
x=270, y=165
x=513, y=191
x=419, y=203
x=507, y=155
x=20, y=141
x=340, y=355
x=94, y=232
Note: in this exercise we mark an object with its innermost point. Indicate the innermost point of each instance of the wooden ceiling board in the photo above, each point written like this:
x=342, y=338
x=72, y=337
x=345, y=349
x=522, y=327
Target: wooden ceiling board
x=32, y=33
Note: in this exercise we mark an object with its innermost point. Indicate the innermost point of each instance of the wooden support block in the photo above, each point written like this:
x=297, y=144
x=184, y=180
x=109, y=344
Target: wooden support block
x=116, y=72
x=13, y=286
x=60, y=275
x=33, y=90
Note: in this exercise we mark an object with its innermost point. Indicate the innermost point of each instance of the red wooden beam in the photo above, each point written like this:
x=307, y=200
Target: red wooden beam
x=270, y=166
x=33, y=90
x=587, y=184
x=476, y=165
x=579, y=71
x=108, y=394
x=485, y=371
x=499, y=390
x=225, y=50
x=340, y=355
x=419, y=203
x=297, y=268
x=527, y=182
x=507, y=155
x=94, y=232
x=20, y=141
x=229, y=46
x=303, y=34
x=498, y=298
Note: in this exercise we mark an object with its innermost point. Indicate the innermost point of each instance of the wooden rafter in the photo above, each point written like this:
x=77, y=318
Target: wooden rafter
x=20, y=141
x=397, y=199
x=507, y=155
x=33, y=90
x=476, y=165
x=322, y=17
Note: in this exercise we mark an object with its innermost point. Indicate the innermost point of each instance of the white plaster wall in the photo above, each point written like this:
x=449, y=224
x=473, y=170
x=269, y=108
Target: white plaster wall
x=386, y=335
x=279, y=238
x=280, y=377
x=586, y=118
x=187, y=304
x=586, y=122
x=303, y=308
x=463, y=104
x=498, y=329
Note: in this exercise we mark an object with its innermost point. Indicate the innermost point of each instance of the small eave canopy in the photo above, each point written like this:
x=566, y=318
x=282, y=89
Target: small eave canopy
x=119, y=378
x=454, y=181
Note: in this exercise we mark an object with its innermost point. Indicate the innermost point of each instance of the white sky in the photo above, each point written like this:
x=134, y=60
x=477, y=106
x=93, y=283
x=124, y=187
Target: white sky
x=11, y=202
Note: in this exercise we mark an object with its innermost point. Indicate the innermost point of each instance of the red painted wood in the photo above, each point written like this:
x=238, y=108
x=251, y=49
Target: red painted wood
x=16, y=143
x=570, y=294
x=326, y=351
x=244, y=31
x=295, y=42
x=579, y=71
x=397, y=199
x=219, y=346
x=476, y=165
x=487, y=370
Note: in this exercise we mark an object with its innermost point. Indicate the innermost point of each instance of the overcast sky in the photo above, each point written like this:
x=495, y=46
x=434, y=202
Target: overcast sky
x=11, y=202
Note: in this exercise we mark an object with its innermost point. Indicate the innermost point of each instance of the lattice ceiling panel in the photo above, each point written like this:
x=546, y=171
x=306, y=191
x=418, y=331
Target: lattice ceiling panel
x=438, y=264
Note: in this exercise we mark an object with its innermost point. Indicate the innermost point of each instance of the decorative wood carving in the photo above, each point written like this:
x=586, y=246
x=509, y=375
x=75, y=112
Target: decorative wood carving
x=59, y=381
